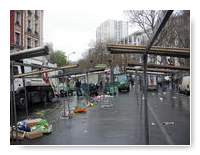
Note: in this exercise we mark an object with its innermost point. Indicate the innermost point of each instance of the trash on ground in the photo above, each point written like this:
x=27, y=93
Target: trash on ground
x=108, y=96
x=40, y=112
x=32, y=122
x=79, y=110
x=64, y=117
x=106, y=101
x=168, y=123
x=31, y=128
x=164, y=93
x=174, y=97
x=105, y=96
x=106, y=105
x=43, y=125
x=90, y=105
x=67, y=115
x=17, y=134
x=97, y=98
x=34, y=134
x=85, y=131
x=153, y=124
x=24, y=128
x=21, y=125
x=161, y=98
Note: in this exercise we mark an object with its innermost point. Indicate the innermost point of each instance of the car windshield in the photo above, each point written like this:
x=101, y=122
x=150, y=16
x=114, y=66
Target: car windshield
x=122, y=78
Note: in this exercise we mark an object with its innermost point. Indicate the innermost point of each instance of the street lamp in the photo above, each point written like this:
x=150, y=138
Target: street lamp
x=70, y=54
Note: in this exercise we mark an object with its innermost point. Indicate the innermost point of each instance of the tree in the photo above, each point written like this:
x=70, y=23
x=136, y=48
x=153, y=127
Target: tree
x=99, y=55
x=143, y=19
x=58, y=57
x=176, y=32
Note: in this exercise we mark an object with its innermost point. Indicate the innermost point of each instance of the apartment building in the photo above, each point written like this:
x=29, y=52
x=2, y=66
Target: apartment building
x=111, y=30
x=26, y=29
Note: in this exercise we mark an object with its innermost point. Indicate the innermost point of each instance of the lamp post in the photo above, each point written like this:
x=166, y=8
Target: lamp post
x=70, y=54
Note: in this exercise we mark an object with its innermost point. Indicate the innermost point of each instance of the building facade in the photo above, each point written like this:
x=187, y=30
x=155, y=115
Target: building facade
x=111, y=30
x=136, y=38
x=26, y=29
x=140, y=38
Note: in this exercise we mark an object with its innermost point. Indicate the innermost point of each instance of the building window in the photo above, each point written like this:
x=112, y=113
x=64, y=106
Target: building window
x=29, y=26
x=17, y=38
x=36, y=14
x=29, y=12
x=17, y=17
x=134, y=38
x=28, y=43
x=36, y=29
x=36, y=43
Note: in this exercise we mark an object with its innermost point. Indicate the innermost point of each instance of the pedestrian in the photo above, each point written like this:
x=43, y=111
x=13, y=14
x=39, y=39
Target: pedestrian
x=101, y=86
x=78, y=88
x=132, y=81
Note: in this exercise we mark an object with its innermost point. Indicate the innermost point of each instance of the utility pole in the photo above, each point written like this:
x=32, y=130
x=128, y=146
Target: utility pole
x=158, y=27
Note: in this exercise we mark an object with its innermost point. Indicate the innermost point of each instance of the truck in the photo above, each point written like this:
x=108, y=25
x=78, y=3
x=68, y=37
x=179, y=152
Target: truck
x=122, y=82
x=42, y=89
x=184, y=86
x=152, y=82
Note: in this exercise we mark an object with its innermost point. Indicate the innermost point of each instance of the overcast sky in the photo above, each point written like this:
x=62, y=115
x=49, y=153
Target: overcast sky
x=72, y=31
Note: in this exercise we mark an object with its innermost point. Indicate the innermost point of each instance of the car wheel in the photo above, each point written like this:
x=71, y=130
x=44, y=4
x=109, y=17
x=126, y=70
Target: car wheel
x=44, y=96
x=20, y=100
x=50, y=95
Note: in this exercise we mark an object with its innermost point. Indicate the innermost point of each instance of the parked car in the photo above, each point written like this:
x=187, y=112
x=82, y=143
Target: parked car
x=184, y=86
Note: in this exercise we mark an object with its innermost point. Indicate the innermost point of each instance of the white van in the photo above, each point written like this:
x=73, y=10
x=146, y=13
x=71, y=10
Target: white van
x=184, y=86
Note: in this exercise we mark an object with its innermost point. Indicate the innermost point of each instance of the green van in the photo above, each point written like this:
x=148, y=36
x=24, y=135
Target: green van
x=122, y=82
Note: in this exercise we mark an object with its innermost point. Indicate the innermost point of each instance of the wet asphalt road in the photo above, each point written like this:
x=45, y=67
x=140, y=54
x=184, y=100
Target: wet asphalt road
x=120, y=124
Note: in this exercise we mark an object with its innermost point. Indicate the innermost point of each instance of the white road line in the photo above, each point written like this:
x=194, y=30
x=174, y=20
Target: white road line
x=168, y=138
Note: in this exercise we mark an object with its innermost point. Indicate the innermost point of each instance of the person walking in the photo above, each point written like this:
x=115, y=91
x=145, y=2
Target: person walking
x=78, y=88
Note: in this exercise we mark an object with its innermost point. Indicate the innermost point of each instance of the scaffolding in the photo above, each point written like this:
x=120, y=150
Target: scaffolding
x=153, y=50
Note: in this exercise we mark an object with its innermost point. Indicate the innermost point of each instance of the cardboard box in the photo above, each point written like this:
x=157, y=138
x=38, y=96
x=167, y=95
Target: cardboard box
x=34, y=134
x=33, y=122
x=17, y=134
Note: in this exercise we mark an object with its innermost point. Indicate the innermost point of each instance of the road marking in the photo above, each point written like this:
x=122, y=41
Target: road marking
x=168, y=138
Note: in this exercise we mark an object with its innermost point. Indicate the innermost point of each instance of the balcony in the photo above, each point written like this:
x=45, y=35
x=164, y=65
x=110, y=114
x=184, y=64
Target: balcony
x=29, y=30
